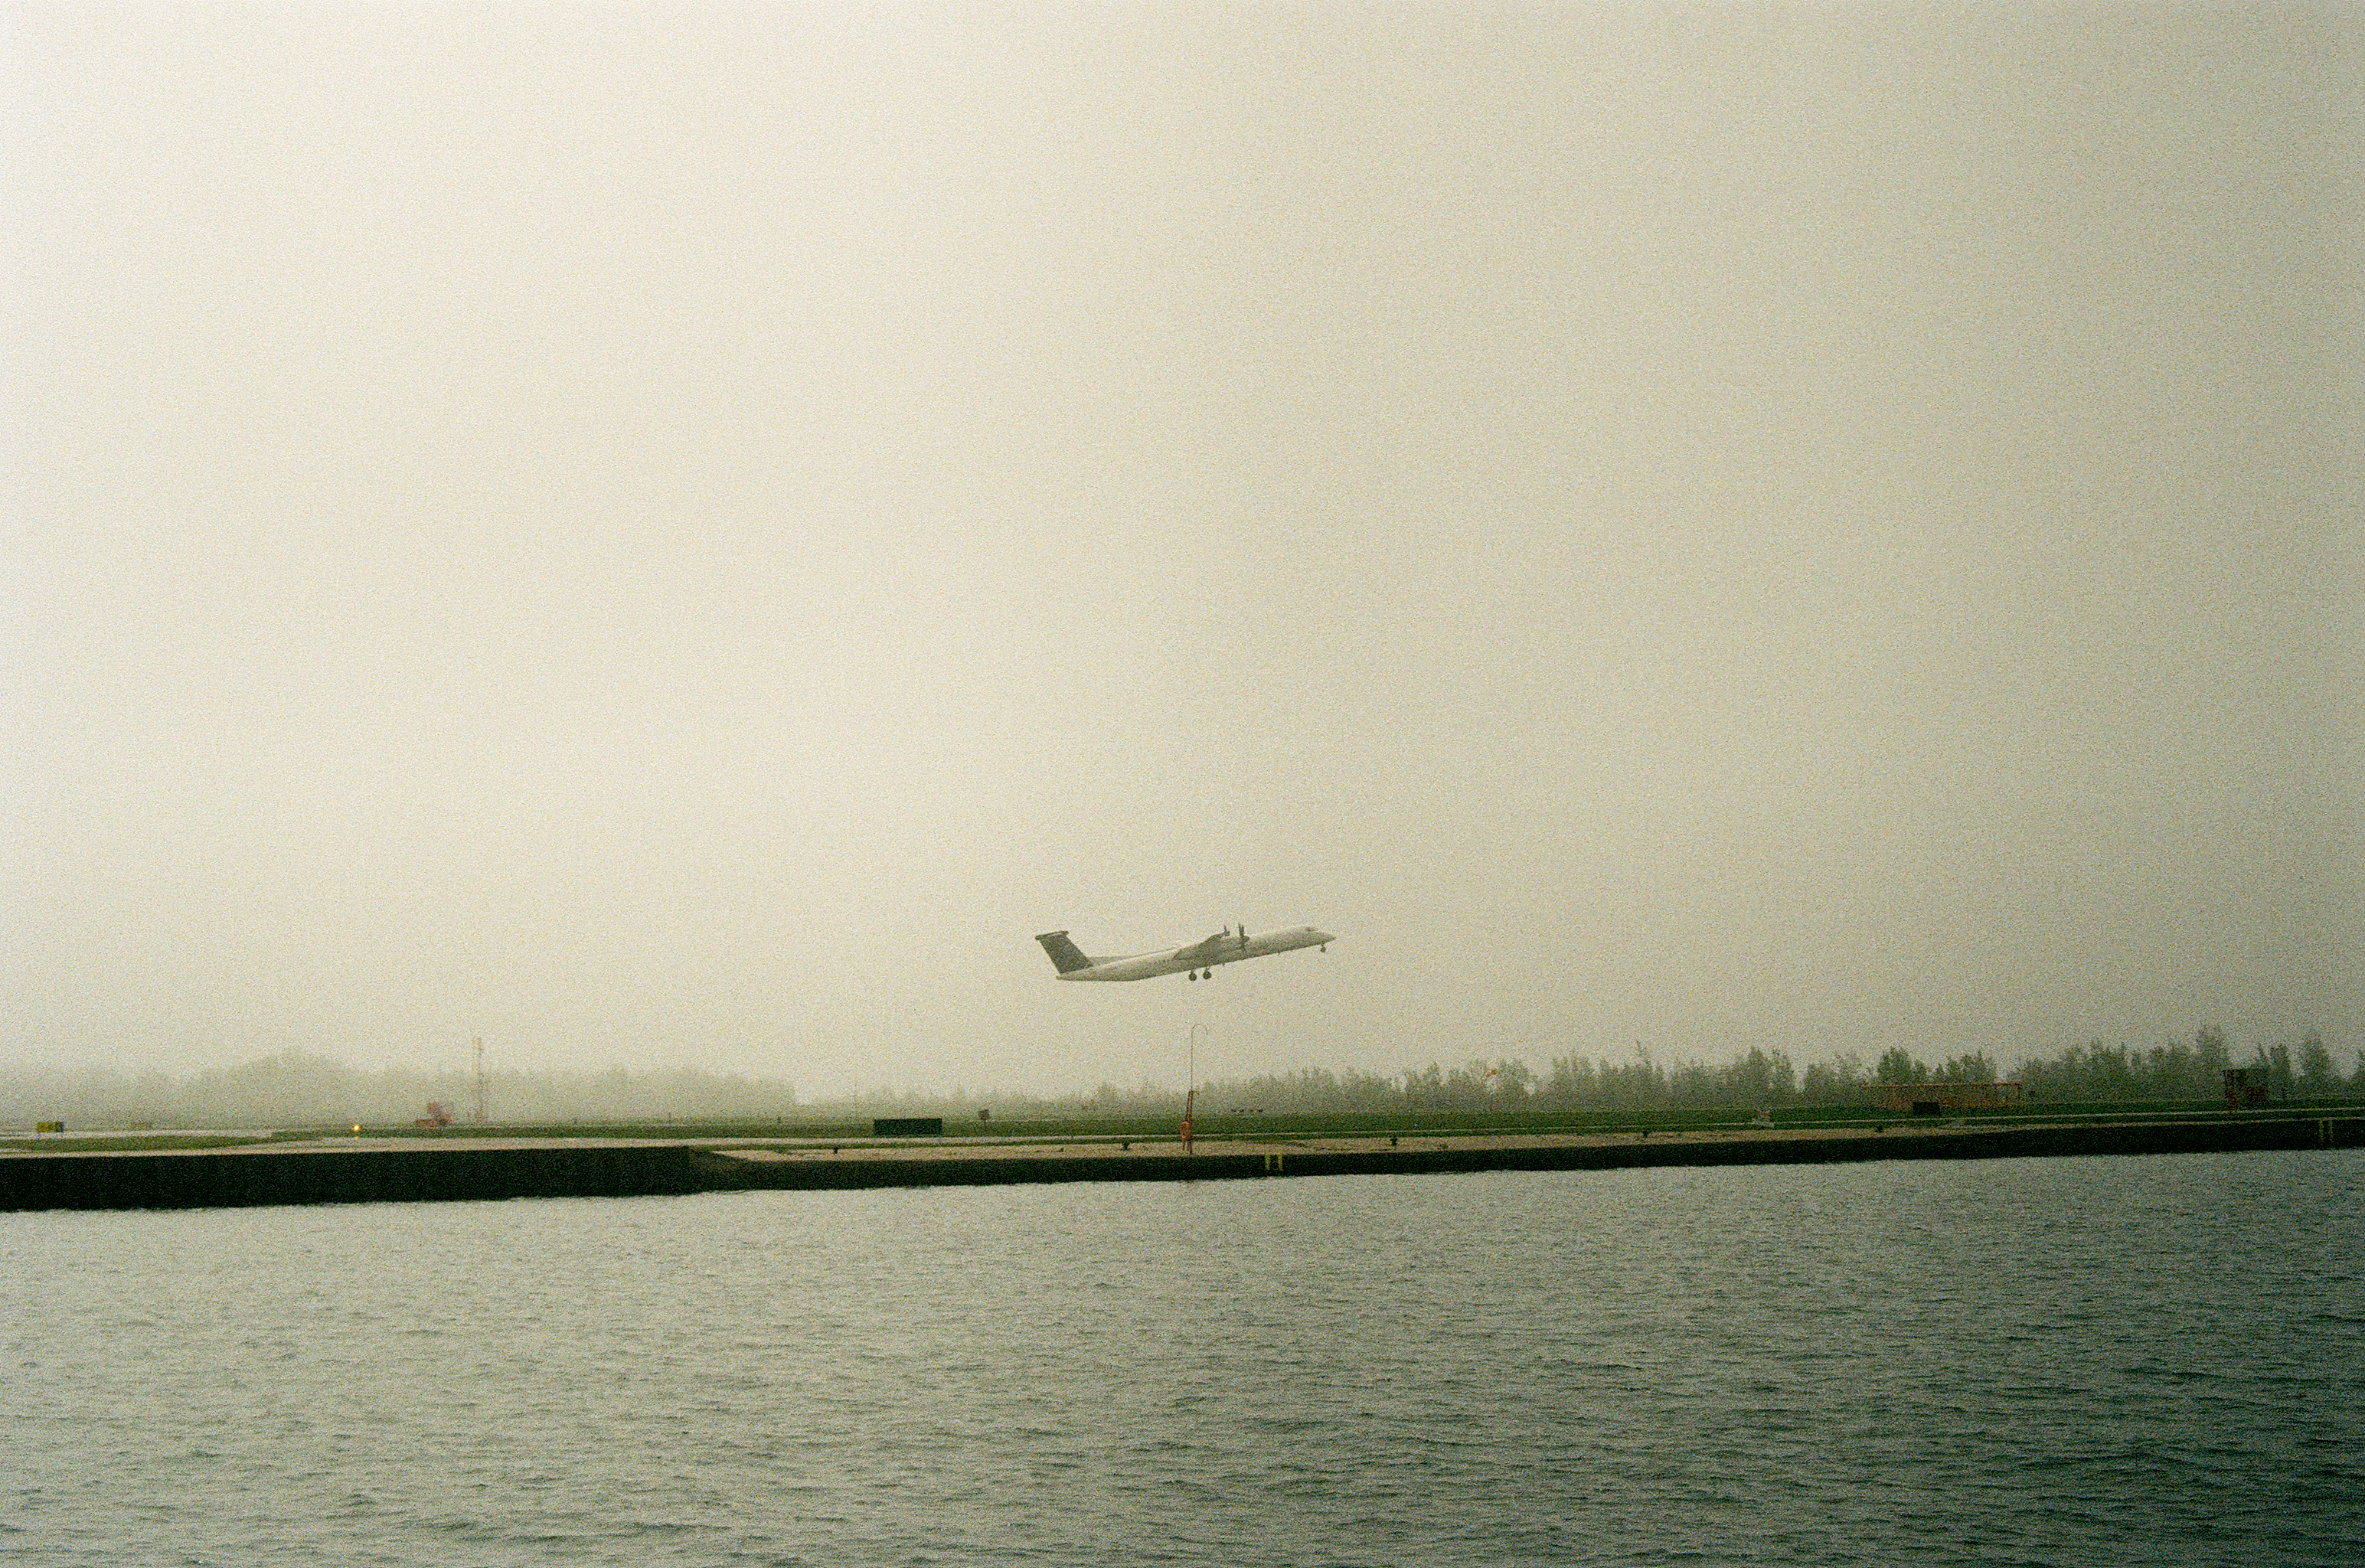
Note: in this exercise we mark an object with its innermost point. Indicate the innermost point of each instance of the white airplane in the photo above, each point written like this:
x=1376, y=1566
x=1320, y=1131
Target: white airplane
x=1198, y=961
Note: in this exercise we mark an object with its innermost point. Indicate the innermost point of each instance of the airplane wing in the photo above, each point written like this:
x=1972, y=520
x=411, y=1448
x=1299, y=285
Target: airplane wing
x=1201, y=952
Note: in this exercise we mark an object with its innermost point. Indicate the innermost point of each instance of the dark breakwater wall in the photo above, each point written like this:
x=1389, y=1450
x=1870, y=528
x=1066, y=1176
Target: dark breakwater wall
x=234, y=1178
x=1424, y=1156
x=440, y=1171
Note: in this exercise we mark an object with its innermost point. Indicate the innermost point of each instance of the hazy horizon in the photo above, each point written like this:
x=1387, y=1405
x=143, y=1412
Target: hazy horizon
x=685, y=535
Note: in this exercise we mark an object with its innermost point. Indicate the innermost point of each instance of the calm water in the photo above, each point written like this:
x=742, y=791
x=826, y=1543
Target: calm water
x=2124, y=1360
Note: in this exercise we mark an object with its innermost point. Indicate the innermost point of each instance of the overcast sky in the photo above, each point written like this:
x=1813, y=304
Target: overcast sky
x=686, y=535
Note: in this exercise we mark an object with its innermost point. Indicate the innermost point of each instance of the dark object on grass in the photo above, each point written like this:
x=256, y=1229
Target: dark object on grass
x=2245, y=1087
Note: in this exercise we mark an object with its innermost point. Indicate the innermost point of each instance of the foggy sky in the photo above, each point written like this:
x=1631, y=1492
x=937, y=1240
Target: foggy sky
x=686, y=534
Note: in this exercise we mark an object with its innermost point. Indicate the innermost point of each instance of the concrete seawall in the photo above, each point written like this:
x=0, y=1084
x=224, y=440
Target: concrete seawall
x=1414, y=1154
x=428, y=1172
x=329, y=1171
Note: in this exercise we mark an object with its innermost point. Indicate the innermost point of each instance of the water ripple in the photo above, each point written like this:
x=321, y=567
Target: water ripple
x=2140, y=1360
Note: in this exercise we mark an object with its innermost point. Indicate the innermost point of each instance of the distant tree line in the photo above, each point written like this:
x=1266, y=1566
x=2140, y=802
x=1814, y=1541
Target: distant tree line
x=2095, y=1072
x=295, y=1089
x=1765, y=1079
x=1754, y=1080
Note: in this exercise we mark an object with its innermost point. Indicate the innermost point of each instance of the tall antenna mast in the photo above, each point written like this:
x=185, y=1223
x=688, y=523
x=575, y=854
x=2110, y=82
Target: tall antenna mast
x=480, y=1080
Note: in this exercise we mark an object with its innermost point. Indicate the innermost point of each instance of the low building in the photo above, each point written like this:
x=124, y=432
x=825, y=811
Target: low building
x=1937, y=1099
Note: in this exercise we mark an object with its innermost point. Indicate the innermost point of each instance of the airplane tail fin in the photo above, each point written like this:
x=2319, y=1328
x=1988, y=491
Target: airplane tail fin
x=1064, y=956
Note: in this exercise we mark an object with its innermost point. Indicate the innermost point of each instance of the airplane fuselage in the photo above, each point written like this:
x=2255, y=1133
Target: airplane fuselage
x=1226, y=947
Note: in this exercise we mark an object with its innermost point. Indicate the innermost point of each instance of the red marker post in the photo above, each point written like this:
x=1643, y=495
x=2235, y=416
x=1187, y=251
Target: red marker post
x=1190, y=1081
